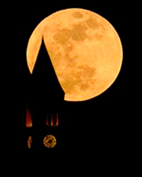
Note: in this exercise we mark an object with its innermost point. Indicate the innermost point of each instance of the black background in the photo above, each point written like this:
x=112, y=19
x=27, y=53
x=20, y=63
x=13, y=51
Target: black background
x=96, y=127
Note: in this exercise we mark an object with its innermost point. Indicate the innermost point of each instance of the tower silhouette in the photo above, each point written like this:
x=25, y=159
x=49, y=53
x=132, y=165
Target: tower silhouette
x=46, y=96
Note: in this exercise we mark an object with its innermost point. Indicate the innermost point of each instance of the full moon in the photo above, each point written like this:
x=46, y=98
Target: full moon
x=84, y=48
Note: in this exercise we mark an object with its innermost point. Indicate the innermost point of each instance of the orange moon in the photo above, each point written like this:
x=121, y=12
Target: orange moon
x=84, y=48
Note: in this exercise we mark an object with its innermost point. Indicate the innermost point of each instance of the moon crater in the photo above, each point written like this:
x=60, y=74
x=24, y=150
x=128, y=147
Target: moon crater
x=79, y=77
x=79, y=32
x=77, y=15
x=92, y=23
x=62, y=36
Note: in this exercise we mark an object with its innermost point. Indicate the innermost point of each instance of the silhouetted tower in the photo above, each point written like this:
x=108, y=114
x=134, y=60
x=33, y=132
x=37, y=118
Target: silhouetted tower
x=46, y=95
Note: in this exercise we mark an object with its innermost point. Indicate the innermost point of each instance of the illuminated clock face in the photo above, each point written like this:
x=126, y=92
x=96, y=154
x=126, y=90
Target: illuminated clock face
x=49, y=141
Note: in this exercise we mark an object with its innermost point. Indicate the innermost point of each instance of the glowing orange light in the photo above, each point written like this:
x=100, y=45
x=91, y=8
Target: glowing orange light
x=47, y=122
x=52, y=123
x=28, y=118
x=57, y=119
x=29, y=142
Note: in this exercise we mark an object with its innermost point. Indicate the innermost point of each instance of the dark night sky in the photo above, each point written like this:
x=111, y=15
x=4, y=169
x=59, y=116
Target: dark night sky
x=98, y=123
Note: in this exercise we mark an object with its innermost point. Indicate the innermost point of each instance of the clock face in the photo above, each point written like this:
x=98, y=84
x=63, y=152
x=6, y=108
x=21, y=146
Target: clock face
x=49, y=141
